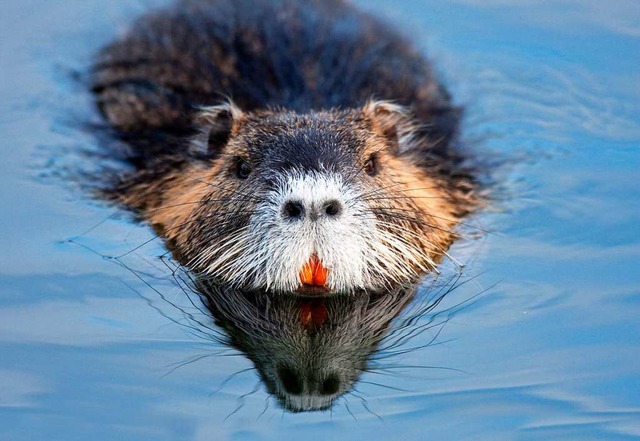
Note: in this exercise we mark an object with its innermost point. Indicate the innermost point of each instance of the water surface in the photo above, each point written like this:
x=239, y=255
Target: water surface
x=550, y=349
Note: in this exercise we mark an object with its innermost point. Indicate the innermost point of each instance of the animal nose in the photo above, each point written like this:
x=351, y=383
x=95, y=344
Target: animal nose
x=294, y=384
x=330, y=385
x=332, y=208
x=296, y=210
x=290, y=381
x=293, y=210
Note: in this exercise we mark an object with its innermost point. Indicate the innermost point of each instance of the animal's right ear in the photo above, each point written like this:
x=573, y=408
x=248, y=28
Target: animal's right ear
x=216, y=124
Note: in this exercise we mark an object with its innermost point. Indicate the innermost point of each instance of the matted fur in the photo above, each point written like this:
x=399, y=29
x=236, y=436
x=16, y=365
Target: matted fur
x=319, y=90
x=231, y=109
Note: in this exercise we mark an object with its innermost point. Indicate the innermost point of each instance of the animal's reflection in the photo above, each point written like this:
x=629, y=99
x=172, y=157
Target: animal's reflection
x=308, y=351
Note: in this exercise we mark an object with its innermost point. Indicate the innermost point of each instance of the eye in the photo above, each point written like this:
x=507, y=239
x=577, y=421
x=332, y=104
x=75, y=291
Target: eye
x=243, y=169
x=371, y=166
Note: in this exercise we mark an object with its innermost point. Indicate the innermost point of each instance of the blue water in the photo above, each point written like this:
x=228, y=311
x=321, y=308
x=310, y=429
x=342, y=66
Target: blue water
x=547, y=346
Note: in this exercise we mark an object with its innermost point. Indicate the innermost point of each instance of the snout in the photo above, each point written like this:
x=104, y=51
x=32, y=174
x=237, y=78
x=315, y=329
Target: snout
x=296, y=384
x=311, y=235
x=307, y=392
x=312, y=209
x=313, y=196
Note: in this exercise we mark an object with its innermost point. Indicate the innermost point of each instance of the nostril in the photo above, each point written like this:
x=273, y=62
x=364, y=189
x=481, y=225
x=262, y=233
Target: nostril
x=333, y=208
x=290, y=381
x=330, y=386
x=293, y=210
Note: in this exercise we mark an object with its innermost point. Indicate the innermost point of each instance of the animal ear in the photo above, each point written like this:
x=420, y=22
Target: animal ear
x=392, y=121
x=216, y=124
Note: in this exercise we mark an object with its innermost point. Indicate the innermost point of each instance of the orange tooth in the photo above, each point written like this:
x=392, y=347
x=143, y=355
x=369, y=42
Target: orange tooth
x=306, y=274
x=320, y=275
x=313, y=314
x=306, y=314
x=319, y=314
x=313, y=273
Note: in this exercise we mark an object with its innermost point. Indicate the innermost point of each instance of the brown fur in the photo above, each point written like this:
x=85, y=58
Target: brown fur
x=420, y=208
x=149, y=83
x=285, y=86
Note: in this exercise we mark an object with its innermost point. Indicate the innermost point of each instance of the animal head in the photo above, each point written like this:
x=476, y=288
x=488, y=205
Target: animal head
x=280, y=191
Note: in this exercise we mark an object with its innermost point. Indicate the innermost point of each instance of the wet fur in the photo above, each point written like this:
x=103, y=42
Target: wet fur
x=298, y=73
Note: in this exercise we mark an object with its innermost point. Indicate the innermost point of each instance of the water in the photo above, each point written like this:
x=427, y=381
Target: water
x=550, y=349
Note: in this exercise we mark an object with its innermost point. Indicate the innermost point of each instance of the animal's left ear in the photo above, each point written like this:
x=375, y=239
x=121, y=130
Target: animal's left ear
x=392, y=121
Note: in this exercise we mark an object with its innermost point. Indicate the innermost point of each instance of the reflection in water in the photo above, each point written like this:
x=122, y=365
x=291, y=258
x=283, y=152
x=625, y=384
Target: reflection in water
x=554, y=350
x=308, y=351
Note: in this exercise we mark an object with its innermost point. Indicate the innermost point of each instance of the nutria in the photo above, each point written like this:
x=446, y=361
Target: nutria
x=338, y=142
x=286, y=149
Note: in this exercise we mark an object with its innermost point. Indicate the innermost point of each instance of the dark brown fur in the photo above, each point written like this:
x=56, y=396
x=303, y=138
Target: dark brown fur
x=288, y=65
x=197, y=89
